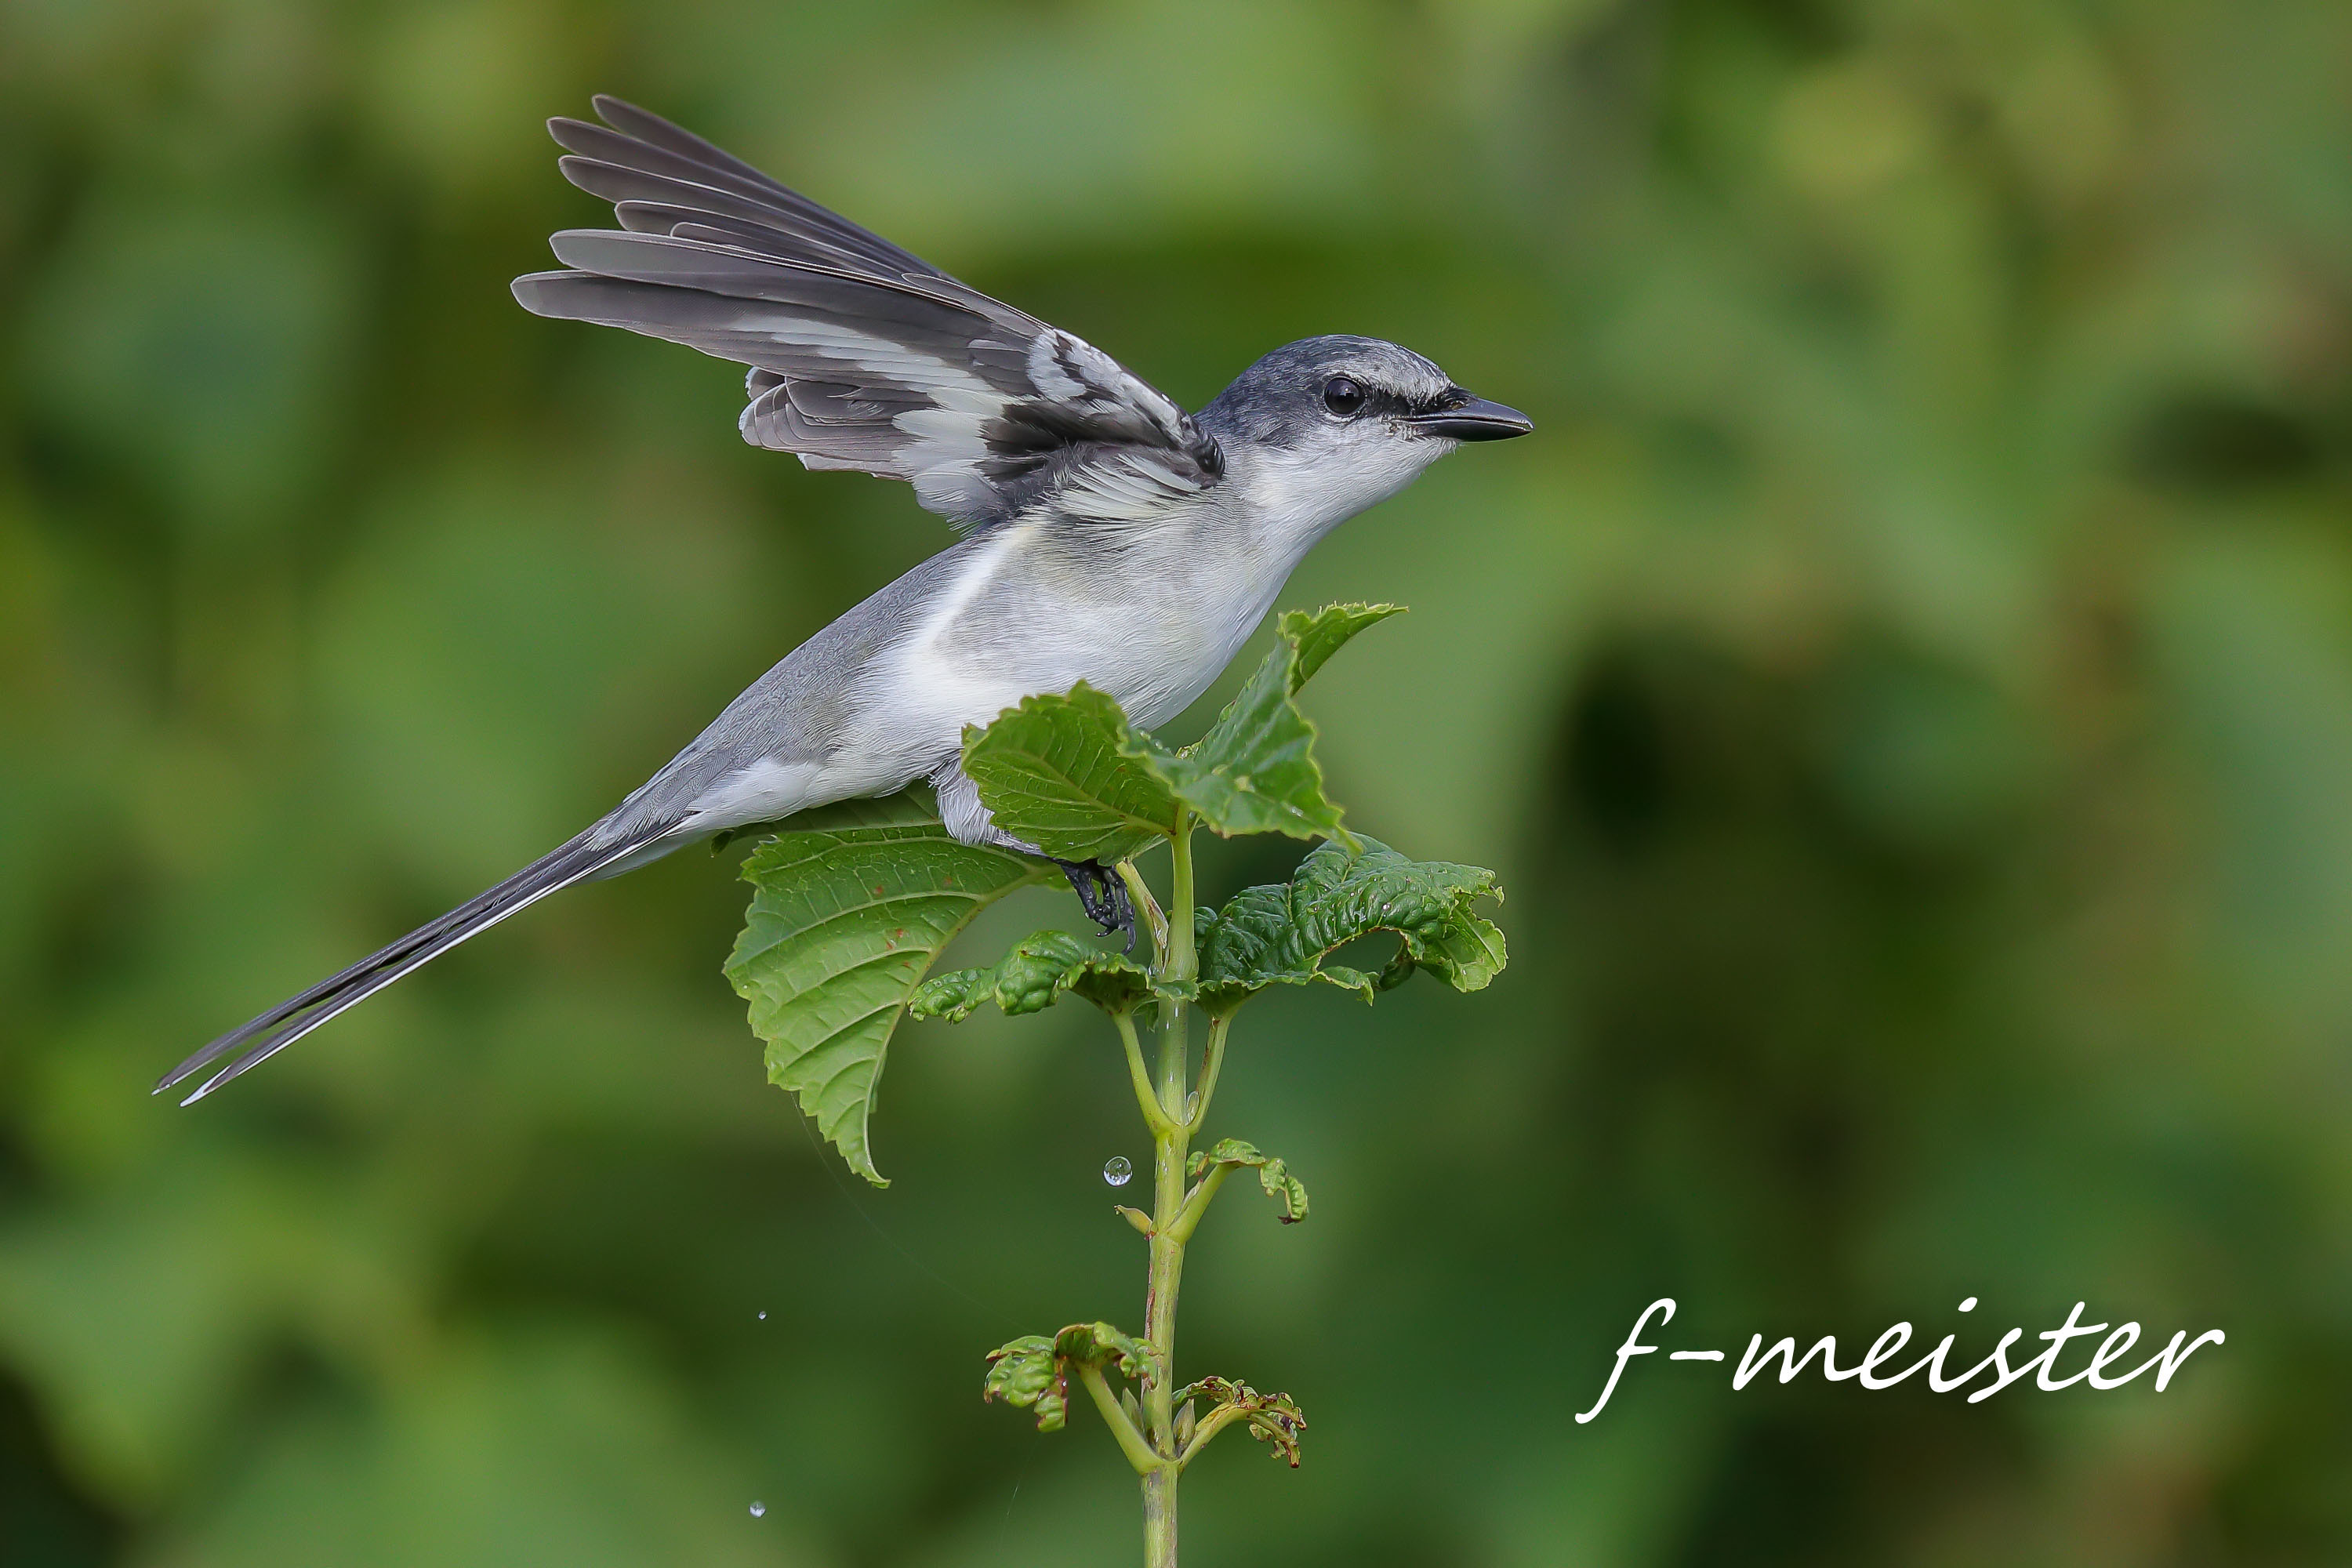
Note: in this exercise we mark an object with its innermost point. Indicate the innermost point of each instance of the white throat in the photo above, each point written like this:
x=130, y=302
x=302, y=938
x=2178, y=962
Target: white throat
x=1299, y=494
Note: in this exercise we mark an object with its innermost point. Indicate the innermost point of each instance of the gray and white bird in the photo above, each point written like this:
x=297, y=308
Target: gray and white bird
x=1107, y=536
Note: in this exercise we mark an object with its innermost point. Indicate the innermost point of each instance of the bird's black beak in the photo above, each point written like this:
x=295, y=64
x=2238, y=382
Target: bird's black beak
x=1472, y=419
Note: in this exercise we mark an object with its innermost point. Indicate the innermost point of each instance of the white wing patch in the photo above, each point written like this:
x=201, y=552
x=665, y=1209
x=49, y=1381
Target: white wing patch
x=1068, y=369
x=1050, y=378
x=1127, y=486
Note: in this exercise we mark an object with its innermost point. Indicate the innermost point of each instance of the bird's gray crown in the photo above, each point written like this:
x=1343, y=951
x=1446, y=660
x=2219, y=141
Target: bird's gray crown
x=1283, y=397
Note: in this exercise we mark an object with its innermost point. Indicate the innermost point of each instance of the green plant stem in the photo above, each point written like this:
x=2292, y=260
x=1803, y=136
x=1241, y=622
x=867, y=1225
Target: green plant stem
x=1159, y=1518
x=1146, y=1099
x=1188, y=1219
x=1174, y=1115
x=1216, y=1421
x=1212, y=1061
x=1172, y=1138
x=1178, y=963
x=1138, y=1453
x=1155, y=921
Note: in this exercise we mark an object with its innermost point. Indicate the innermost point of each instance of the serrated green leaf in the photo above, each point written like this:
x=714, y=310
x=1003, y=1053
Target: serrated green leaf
x=852, y=903
x=1272, y=1175
x=1280, y=933
x=1033, y=977
x=1033, y=1370
x=1322, y=632
x=1070, y=775
x=1254, y=771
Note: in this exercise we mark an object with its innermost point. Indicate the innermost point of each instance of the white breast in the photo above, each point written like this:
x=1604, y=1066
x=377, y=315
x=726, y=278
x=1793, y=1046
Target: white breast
x=1152, y=619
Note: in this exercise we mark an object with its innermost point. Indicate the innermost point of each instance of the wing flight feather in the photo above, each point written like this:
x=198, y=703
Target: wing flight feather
x=862, y=355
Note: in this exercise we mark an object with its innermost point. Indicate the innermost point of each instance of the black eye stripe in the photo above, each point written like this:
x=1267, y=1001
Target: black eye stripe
x=1348, y=398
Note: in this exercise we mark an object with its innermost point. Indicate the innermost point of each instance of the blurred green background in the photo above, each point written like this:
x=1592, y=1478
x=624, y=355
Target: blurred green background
x=1907, y=685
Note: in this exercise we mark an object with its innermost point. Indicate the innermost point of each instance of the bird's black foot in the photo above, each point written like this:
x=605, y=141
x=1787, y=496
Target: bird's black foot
x=1103, y=895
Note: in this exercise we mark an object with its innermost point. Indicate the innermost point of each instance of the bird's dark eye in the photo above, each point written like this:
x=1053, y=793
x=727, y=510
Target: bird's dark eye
x=1342, y=396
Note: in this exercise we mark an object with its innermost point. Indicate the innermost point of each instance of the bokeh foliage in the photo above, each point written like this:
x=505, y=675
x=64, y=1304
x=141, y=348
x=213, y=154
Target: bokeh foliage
x=1907, y=685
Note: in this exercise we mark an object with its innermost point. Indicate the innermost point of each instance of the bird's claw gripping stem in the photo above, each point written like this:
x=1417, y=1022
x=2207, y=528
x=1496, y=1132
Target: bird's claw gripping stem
x=1103, y=895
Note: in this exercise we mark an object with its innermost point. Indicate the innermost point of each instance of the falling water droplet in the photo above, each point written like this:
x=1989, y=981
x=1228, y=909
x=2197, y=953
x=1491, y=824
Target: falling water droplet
x=1116, y=1170
x=759, y=1511
x=763, y=1316
x=1969, y=1305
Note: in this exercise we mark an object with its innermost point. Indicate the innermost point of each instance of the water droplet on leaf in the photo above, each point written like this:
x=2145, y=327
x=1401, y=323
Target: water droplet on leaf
x=1116, y=1170
x=759, y=1511
x=763, y=1316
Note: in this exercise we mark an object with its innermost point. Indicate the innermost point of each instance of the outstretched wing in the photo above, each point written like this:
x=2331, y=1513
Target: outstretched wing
x=862, y=355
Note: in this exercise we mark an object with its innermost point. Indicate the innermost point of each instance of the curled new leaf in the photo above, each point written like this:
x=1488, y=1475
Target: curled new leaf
x=1070, y=775
x=852, y=903
x=1281, y=932
x=1254, y=771
x=1033, y=977
x=1024, y=1374
x=1271, y=1417
x=1033, y=1370
x=1279, y=1183
x=1099, y=1344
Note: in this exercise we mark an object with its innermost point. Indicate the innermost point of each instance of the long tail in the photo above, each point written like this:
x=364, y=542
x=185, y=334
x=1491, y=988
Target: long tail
x=280, y=1027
